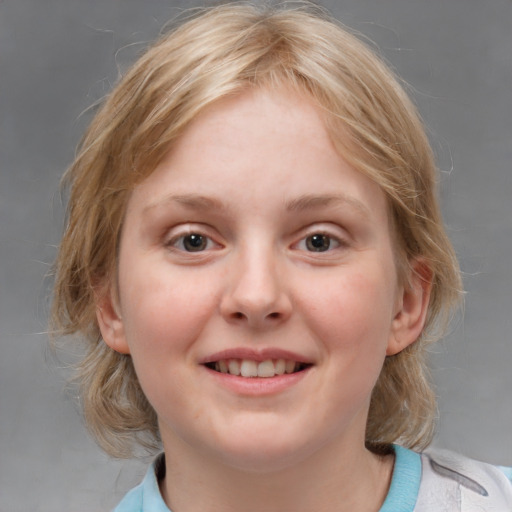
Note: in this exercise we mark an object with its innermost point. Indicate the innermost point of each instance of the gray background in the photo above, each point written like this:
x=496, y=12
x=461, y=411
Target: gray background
x=57, y=57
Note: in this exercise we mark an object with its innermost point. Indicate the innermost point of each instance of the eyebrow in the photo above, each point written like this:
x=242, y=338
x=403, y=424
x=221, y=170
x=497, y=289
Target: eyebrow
x=312, y=201
x=191, y=201
x=299, y=204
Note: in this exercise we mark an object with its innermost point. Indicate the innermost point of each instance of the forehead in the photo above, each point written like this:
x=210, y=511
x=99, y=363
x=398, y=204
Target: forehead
x=270, y=119
x=260, y=143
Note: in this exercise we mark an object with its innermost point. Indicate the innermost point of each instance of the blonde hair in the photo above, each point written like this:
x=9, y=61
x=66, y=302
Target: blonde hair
x=218, y=52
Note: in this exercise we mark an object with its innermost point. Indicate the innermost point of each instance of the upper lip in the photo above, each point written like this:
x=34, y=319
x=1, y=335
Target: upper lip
x=259, y=355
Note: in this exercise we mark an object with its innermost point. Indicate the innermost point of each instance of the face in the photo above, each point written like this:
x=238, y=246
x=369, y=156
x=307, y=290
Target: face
x=258, y=293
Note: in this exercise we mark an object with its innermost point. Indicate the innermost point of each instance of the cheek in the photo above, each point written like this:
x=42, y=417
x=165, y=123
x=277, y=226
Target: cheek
x=164, y=316
x=164, y=311
x=352, y=311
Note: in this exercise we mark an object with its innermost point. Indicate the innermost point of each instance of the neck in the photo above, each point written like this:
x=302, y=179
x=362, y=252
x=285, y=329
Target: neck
x=351, y=479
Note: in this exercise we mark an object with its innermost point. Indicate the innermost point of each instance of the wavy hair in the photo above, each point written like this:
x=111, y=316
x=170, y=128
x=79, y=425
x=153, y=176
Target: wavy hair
x=214, y=53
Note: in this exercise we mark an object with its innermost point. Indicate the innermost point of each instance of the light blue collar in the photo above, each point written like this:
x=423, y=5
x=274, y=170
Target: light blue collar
x=401, y=497
x=405, y=483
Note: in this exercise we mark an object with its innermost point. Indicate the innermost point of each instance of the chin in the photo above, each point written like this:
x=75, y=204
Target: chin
x=265, y=451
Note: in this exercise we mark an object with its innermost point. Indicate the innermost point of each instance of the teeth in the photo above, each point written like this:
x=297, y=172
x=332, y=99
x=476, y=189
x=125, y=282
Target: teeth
x=266, y=369
x=280, y=366
x=249, y=368
x=234, y=367
x=289, y=366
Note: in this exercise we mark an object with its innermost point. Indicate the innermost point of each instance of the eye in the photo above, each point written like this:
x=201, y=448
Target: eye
x=319, y=242
x=192, y=242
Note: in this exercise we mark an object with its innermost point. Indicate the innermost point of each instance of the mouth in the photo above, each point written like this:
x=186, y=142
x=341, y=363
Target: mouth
x=249, y=368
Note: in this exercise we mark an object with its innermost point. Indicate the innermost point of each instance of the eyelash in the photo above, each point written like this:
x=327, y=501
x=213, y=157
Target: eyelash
x=178, y=242
x=308, y=242
x=311, y=243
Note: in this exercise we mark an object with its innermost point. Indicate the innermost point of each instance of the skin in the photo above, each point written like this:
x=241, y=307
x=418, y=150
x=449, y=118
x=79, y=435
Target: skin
x=257, y=177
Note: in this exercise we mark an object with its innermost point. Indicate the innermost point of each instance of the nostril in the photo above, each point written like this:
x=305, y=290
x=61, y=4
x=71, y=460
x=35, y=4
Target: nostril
x=239, y=315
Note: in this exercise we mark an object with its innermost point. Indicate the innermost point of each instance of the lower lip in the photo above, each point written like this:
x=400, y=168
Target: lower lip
x=258, y=386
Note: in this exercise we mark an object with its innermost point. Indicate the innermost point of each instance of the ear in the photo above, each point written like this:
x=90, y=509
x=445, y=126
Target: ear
x=110, y=322
x=412, y=307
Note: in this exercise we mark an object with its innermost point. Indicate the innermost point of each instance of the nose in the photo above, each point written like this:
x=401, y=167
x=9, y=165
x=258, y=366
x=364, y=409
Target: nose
x=256, y=292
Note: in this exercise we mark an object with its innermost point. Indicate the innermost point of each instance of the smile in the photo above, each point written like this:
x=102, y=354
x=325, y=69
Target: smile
x=264, y=369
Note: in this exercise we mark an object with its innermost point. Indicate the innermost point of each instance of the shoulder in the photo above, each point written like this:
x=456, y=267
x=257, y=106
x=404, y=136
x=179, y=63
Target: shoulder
x=132, y=501
x=452, y=482
x=146, y=496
